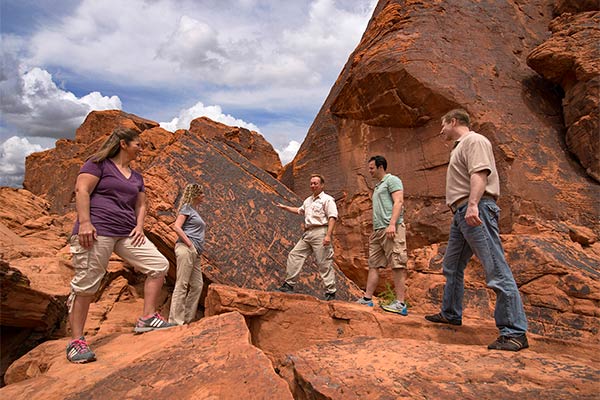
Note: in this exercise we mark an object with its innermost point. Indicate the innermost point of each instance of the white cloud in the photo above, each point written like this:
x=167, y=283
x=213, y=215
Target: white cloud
x=12, y=159
x=199, y=110
x=279, y=58
x=193, y=43
x=35, y=106
x=287, y=154
x=238, y=45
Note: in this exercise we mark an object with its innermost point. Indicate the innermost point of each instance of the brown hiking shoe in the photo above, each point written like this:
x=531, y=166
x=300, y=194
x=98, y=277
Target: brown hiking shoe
x=440, y=319
x=510, y=343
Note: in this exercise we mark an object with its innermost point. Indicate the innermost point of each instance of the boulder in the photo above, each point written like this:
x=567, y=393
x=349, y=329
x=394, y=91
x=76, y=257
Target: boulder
x=250, y=144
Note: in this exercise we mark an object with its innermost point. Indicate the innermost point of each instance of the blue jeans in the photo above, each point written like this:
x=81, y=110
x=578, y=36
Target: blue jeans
x=484, y=241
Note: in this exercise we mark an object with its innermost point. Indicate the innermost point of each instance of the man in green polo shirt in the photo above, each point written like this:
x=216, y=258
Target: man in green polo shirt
x=387, y=243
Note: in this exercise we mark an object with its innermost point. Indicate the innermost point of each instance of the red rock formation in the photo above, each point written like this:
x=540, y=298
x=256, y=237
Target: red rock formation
x=416, y=61
x=571, y=58
x=213, y=358
x=278, y=346
x=250, y=144
x=248, y=237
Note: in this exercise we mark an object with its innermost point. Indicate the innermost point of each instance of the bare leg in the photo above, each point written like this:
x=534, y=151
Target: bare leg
x=152, y=288
x=372, y=281
x=78, y=315
x=399, y=276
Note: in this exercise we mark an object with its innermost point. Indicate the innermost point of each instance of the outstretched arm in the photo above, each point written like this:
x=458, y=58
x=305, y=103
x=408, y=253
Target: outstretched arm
x=291, y=209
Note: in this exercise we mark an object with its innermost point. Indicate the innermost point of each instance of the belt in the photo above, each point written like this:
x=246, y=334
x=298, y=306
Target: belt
x=314, y=227
x=464, y=200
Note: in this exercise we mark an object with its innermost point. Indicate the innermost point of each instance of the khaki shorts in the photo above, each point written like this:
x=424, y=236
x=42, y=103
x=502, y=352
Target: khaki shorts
x=383, y=251
x=90, y=264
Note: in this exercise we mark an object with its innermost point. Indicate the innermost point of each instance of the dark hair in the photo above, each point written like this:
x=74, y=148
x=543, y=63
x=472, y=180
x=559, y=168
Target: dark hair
x=318, y=176
x=460, y=115
x=380, y=161
x=112, y=145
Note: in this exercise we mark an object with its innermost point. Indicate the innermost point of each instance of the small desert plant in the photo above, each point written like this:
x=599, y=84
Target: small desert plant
x=387, y=296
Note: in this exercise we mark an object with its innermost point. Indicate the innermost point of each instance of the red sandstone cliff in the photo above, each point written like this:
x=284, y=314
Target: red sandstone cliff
x=413, y=64
x=416, y=61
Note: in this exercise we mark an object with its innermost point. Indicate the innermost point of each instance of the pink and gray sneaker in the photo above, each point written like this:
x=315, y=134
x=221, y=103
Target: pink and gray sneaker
x=152, y=323
x=79, y=352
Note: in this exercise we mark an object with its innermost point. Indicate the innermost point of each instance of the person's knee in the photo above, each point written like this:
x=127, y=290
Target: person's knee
x=158, y=268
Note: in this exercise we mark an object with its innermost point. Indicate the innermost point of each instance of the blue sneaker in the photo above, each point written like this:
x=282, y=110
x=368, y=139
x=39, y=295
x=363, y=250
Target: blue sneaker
x=364, y=302
x=396, y=307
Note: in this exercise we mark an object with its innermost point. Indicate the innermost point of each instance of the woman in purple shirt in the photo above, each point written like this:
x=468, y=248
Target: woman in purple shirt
x=111, y=206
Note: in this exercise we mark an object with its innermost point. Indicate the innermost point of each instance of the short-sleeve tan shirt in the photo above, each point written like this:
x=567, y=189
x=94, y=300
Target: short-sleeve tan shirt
x=473, y=153
x=317, y=210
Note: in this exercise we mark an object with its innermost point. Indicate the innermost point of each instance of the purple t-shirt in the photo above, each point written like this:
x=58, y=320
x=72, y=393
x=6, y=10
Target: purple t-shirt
x=112, y=203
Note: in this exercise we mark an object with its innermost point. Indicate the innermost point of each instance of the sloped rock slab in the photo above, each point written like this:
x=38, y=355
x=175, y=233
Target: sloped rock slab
x=371, y=368
x=210, y=359
x=248, y=238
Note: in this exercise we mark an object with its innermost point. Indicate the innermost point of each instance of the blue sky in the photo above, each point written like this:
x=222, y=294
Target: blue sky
x=267, y=65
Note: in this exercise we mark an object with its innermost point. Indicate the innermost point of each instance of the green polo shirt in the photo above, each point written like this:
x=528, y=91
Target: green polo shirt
x=383, y=202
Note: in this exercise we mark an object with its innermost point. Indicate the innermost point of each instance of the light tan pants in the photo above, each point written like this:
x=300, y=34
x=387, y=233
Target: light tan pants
x=312, y=243
x=90, y=264
x=188, y=286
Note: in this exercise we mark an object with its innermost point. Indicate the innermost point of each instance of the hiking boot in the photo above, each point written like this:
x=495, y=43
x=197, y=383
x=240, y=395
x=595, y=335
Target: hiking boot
x=330, y=296
x=364, y=302
x=285, y=288
x=440, y=319
x=510, y=343
x=396, y=307
x=79, y=352
x=152, y=323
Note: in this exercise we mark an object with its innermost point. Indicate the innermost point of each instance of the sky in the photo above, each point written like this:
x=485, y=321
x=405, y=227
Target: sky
x=266, y=65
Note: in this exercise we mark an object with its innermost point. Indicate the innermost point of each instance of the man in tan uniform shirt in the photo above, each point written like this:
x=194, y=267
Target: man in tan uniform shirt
x=320, y=213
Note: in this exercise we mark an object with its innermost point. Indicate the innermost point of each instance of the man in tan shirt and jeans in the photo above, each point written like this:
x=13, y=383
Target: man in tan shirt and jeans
x=472, y=187
x=320, y=213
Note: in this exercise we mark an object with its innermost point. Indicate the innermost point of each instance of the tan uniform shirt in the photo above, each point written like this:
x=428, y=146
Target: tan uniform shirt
x=317, y=210
x=473, y=153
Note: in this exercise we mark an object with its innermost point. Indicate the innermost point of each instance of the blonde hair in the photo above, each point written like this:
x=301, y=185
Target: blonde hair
x=190, y=192
x=112, y=146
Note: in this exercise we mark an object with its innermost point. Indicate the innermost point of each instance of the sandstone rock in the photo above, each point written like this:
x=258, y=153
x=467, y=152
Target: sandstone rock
x=570, y=58
x=582, y=235
x=210, y=359
x=415, y=62
x=248, y=238
x=250, y=144
x=282, y=324
x=370, y=368
x=339, y=350
x=32, y=240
